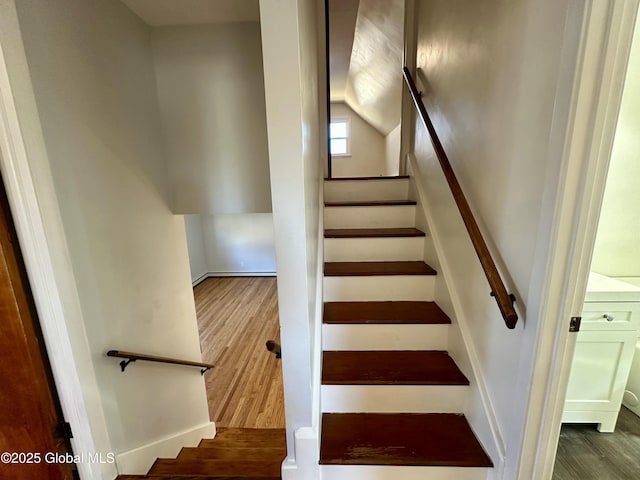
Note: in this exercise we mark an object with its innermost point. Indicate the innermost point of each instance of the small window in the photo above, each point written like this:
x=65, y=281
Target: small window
x=339, y=136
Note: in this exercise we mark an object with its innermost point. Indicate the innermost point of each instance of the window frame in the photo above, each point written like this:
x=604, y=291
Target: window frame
x=347, y=121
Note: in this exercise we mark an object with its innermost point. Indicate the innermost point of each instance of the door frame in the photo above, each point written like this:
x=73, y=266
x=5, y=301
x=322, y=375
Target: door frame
x=34, y=207
x=587, y=138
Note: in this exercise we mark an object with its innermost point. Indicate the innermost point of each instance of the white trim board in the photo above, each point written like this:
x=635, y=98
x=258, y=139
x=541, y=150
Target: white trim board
x=139, y=460
x=478, y=382
x=584, y=139
x=33, y=202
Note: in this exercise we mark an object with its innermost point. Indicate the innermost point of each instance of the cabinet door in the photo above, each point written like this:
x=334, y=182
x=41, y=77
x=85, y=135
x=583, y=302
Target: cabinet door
x=600, y=370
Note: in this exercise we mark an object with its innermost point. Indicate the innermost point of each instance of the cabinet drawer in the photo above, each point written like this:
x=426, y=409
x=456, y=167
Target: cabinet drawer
x=609, y=316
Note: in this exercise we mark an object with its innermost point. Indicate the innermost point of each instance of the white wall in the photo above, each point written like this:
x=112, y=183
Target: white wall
x=195, y=246
x=493, y=69
x=289, y=39
x=616, y=250
x=211, y=93
x=92, y=70
x=367, y=158
x=241, y=244
x=392, y=151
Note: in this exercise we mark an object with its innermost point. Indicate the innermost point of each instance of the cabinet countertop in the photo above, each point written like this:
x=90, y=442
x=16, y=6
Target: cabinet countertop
x=601, y=288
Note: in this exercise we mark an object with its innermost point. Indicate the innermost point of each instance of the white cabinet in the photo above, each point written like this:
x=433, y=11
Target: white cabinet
x=604, y=351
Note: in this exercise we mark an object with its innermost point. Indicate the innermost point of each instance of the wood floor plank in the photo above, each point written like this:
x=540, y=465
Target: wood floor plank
x=390, y=368
x=418, y=439
x=338, y=269
x=384, y=313
x=372, y=232
x=586, y=454
x=236, y=316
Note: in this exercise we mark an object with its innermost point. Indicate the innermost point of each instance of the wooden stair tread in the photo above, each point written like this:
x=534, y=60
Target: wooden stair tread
x=241, y=443
x=193, y=477
x=417, y=439
x=370, y=203
x=384, y=313
x=392, y=177
x=372, y=232
x=390, y=368
x=338, y=269
x=230, y=468
x=233, y=453
x=246, y=438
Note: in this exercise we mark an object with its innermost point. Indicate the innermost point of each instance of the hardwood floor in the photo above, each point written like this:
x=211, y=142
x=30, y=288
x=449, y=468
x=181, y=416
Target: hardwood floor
x=586, y=454
x=236, y=316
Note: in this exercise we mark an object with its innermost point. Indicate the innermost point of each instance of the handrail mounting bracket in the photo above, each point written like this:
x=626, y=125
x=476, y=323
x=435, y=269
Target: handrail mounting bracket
x=125, y=363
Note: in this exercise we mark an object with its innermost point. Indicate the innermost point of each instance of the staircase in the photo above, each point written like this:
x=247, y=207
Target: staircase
x=234, y=454
x=392, y=396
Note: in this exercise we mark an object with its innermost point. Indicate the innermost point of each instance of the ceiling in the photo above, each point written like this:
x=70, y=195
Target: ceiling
x=188, y=12
x=342, y=27
x=365, y=38
x=366, y=47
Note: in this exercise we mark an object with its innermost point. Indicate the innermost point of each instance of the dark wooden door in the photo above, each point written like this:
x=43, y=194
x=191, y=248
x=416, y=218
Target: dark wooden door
x=30, y=417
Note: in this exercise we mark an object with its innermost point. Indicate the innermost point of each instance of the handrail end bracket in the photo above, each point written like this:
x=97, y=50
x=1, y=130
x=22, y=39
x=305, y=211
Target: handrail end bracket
x=125, y=363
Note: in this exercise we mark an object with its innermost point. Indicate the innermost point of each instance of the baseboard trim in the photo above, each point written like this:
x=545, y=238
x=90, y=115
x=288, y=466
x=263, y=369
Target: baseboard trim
x=139, y=460
x=199, y=279
x=204, y=276
x=305, y=466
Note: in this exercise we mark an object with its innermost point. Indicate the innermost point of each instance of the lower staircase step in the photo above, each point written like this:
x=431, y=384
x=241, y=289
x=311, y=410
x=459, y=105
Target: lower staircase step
x=191, y=477
x=248, y=468
x=246, y=438
x=355, y=269
x=366, y=179
x=372, y=232
x=432, y=439
x=232, y=453
x=390, y=368
x=370, y=203
x=384, y=313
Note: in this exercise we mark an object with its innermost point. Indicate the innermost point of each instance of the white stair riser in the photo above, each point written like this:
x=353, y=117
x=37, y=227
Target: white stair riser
x=386, y=472
x=390, y=216
x=373, y=249
x=393, y=398
x=384, y=337
x=379, y=288
x=354, y=190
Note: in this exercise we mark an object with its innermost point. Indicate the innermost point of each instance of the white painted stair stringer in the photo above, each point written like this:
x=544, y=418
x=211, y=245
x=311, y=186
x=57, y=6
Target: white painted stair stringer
x=485, y=423
x=373, y=249
x=363, y=190
x=384, y=216
x=394, y=398
x=387, y=472
x=384, y=336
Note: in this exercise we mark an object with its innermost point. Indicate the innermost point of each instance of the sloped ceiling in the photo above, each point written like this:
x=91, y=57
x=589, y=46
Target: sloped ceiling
x=365, y=41
x=189, y=12
x=342, y=27
x=373, y=83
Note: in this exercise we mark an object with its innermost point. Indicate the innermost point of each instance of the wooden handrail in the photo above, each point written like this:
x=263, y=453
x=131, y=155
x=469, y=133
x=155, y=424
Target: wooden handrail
x=132, y=357
x=498, y=289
